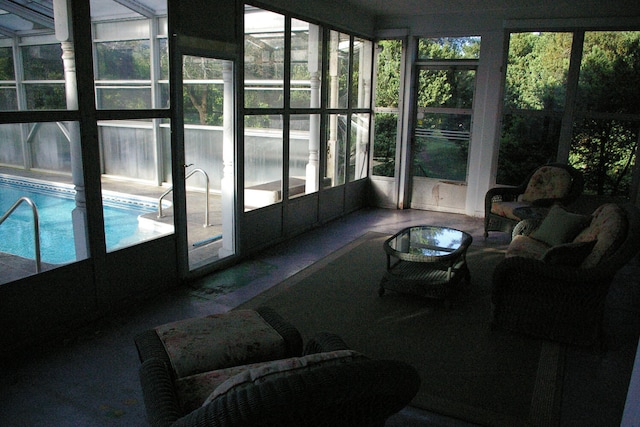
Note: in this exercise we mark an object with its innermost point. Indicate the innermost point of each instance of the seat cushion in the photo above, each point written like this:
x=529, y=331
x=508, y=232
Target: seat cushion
x=525, y=246
x=548, y=182
x=505, y=209
x=609, y=227
x=220, y=341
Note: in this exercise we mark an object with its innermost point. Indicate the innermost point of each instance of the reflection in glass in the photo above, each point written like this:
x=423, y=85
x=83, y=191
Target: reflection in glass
x=304, y=146
x=358, y=146
x=263, y=157
x=263, y=58
x=361, y=77
x=306, y=60
x=335, y=166
x=428, y=241
x=338, y=77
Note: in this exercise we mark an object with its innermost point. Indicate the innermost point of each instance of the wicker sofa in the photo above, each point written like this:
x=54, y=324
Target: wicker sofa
x=549, y=184
x=208, y=372
x=556, y=274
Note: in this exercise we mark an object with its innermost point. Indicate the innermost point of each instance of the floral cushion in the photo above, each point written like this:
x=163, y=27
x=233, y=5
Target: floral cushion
x=505, y=209
x=548, y=182
x=609, y=228
x=281, y=368
x=220, y=341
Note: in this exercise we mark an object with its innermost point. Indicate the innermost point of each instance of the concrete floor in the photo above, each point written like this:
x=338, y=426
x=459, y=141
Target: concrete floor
x=89, y=378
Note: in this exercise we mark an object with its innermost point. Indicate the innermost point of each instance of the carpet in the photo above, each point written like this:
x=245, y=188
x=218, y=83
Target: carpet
x=468, y=370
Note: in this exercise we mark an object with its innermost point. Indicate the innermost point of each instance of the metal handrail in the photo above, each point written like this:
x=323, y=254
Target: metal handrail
x=206, y=208
x=36, y=226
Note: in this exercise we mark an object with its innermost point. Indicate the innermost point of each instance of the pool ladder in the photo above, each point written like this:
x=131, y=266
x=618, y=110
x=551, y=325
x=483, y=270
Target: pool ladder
x=36, y=226
x=206, y=208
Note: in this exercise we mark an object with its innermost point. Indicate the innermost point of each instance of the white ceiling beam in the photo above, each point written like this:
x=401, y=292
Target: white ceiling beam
x=39, y=17
x=137, y=7
x=7, y=32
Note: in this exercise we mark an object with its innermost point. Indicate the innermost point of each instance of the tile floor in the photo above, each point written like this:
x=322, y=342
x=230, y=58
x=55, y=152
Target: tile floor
x=90, y=377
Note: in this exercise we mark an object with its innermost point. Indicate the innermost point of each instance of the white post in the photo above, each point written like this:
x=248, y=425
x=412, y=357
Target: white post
x=64, y=33
x=312, y=173
x=227, y=183
x=332, y=155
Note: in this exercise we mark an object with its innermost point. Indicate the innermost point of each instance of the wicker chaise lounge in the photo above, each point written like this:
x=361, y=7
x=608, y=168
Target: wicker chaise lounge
x=557, y=290
x=185, y=383
x=547, y=185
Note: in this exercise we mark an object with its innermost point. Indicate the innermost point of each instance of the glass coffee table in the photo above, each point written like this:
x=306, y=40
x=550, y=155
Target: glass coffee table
x=426, y=260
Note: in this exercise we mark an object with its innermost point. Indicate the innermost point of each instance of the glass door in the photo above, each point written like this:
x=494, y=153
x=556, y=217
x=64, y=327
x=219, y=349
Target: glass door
x=440, y=136
x=209, y=145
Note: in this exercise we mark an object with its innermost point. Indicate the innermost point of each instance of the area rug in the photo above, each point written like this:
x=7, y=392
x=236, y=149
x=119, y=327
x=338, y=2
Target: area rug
x=468, y=370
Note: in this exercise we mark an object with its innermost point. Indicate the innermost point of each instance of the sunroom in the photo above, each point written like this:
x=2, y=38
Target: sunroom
x=168, y=146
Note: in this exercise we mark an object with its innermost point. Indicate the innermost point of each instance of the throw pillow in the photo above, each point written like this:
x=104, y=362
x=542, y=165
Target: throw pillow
x=569, y=254
x=560, y=226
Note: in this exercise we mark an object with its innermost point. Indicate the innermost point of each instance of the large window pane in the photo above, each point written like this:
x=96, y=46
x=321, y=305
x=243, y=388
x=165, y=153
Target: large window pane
x=361, y=77
x=358, y=143
x=130, y=195
x=44, y=62
x=61, y=232
x=443, y=122
x=123, y=74
x=263, y=158
x=386, y=107
x=338, y=76
x=537, y=69
x=336, y=161
x=304, y=154
x=203, y=91
x=535, y=96
x=604, y=140
x=263, y=58
x=306, y=61
x=441, y=146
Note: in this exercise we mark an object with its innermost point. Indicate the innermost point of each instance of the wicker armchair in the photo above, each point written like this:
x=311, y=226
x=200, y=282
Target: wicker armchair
x=546, y=185
x=354, y=391
x=561, y=302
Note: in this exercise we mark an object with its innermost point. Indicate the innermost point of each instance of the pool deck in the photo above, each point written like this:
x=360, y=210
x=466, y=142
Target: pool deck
x=14, y=267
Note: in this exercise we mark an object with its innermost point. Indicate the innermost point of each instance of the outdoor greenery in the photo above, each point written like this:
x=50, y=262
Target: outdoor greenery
x=606, y=110
x=605, y=126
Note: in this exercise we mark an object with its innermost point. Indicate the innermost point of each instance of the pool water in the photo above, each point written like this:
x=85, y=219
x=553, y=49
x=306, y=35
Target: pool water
x=55, y=202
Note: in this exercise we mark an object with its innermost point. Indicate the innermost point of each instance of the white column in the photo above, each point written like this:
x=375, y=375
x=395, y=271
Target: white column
x=312, y=173
x=332, y=144
x=228, y=149
x=64, y=33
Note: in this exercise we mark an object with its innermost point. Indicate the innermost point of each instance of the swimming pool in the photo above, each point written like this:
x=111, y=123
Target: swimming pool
x=122, y=216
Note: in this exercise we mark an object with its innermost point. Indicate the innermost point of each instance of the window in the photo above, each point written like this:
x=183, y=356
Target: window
x=535, y=93
x=283, y=107
x=606, y=124
x=386, y=107
x=444, y=96
x=123, y=56
x=348, y=80
x=589, y=119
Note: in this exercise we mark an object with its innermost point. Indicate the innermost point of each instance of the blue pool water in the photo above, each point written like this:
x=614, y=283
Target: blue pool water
x=55, y=203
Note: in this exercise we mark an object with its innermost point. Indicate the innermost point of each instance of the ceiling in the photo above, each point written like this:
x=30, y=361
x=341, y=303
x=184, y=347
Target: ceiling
x=508, y=8
x=26, y=16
